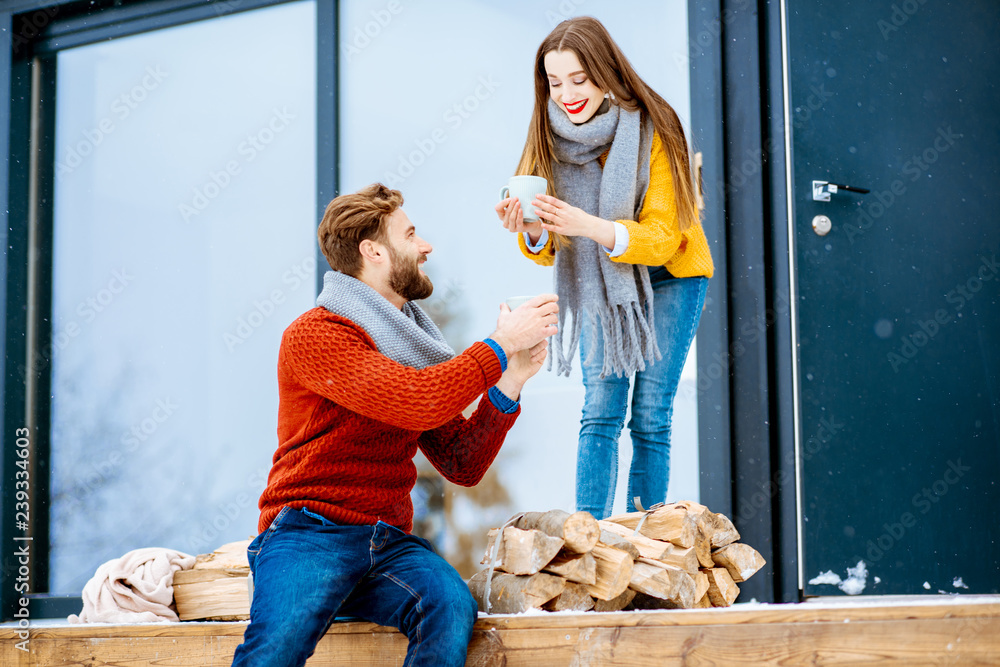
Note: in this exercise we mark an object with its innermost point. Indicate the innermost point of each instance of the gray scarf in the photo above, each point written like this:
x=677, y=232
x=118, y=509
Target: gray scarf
x=407, y=336
x=616, y=295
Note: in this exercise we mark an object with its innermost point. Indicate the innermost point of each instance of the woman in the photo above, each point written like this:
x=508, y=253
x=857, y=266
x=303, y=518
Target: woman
x=621, y=225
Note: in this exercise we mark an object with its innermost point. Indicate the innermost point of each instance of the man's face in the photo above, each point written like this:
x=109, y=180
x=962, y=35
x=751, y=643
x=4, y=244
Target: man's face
x=407, y=252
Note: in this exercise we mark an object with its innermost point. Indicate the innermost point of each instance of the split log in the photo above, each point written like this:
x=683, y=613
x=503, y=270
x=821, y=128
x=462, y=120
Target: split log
x=722, y=590
x=513, y=593
x=703, y=548
x=579, y=531
x=664, y=582
x=684, y=558
x=701, y=585
x=577, y=568
x=217, y=586
x=742, y=560
x=616, y=541
x=614, y=572
x=574, y=597
x=218, y=594
x=616, y=604
x=670, y=523
x=646, y=546
x=724, y=531
x=704, y=603
x=522, y=551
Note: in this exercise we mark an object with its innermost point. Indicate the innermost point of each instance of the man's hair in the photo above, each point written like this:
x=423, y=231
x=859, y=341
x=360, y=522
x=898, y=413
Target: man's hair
x=350, y=219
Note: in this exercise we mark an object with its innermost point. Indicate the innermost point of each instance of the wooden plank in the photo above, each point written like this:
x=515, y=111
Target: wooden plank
x=951, y=638
x=893, y=643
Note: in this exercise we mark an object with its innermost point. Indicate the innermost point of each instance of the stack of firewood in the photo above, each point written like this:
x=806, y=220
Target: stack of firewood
x=680, y=555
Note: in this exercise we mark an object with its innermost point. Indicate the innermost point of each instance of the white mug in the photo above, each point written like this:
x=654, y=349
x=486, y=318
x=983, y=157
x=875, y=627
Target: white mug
x=515, y=301
x=525, y=188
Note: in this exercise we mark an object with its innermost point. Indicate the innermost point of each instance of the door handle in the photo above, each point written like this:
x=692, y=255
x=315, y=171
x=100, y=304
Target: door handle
x=823, y=189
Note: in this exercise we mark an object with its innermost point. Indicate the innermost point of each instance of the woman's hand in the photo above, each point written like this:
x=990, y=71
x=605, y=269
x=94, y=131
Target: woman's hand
x=561, y=218
x=510, y=214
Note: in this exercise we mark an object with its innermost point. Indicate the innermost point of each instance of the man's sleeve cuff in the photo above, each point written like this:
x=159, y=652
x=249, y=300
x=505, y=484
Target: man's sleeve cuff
x=501, y=402
x=501, y=355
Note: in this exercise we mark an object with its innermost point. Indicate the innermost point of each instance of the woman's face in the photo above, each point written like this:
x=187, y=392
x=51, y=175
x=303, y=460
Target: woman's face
x=570, y=87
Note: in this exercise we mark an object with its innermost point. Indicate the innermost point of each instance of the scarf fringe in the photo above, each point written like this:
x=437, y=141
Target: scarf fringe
x=629, y=340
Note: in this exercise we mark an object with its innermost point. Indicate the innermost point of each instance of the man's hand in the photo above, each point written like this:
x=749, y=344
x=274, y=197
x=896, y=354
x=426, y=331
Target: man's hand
x=527, y=325
x=521, y=367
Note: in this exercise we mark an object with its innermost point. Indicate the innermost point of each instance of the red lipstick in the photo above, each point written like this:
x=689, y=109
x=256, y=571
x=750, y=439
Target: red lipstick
x=575, y=107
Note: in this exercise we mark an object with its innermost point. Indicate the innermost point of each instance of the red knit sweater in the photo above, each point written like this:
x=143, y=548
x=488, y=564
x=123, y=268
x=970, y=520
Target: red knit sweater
x=350, y=420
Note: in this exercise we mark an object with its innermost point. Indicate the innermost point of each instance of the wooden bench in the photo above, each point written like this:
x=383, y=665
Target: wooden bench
x=955, y=630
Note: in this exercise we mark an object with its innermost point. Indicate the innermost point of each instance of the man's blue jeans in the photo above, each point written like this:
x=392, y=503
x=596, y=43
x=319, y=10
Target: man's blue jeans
x=307, y=571
x=677, y=305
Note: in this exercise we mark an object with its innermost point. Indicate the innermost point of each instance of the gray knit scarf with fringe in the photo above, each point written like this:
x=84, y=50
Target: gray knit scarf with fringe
x=618, y=296
x=407, y=336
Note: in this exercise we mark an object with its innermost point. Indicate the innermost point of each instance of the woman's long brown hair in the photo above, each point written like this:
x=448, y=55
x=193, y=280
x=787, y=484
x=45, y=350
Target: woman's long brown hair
x=610, y=70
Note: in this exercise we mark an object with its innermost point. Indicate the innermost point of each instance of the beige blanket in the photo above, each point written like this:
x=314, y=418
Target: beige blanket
x=136, y=588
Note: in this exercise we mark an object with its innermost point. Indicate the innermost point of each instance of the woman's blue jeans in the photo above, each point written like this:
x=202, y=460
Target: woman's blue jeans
x=308, y=570
x=677, y=305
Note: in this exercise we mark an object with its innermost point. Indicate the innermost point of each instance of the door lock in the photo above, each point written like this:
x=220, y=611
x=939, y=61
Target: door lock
x=823, y=189
x=822, y=225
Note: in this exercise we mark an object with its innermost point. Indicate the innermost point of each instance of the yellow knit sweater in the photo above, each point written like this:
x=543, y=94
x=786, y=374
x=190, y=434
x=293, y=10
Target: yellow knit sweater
x=655, y=239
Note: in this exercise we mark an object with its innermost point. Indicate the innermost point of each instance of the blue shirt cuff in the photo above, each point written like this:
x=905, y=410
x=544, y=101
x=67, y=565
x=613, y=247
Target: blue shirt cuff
x=501, y=355
x=535, y=248
x=501, y=402
x=621, y=240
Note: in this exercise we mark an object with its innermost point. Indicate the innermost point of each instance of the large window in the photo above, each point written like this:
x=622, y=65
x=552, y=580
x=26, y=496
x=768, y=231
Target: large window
x=435, y=100
x=183, y=245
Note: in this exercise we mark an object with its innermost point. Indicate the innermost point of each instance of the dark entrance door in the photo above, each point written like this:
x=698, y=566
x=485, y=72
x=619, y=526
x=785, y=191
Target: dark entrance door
x=898, y=305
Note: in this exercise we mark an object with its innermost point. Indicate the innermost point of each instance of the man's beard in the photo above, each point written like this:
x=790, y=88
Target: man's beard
x=405, y=278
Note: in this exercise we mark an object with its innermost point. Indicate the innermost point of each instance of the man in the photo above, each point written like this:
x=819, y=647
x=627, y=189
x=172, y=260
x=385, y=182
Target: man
x=364, y=380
